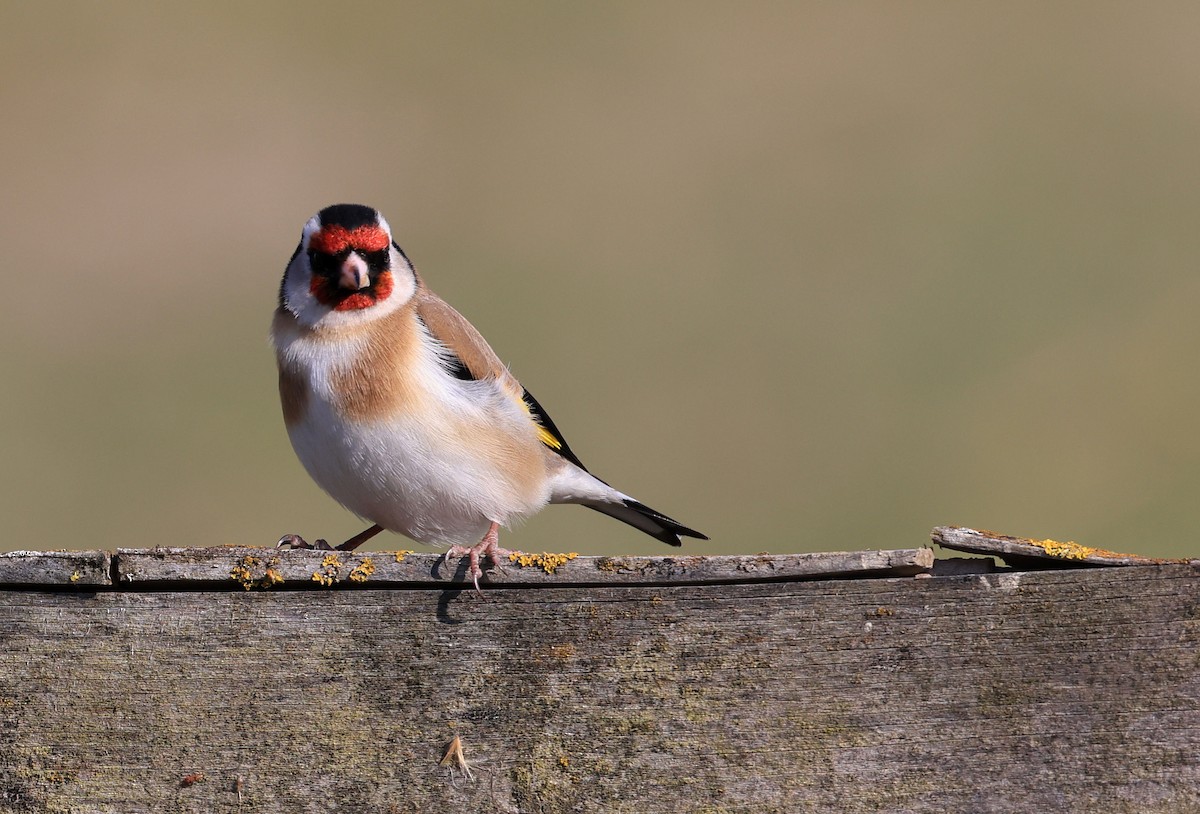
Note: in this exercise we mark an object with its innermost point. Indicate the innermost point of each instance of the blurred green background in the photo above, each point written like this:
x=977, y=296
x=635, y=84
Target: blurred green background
x=804, y=276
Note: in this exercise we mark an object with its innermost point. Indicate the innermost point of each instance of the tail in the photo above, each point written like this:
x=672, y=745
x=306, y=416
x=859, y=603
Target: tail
x=643, y=518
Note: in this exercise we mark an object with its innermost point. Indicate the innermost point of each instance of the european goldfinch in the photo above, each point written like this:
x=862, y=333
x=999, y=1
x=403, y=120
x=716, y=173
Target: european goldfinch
x=400, y=410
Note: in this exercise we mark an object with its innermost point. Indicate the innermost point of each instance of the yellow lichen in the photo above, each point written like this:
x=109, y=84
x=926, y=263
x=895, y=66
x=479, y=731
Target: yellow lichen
x=328, y=573
x=75, y=575
x=362, y=572
x=1068, y=550
x=565, y=762
x=546, y=561
x=400, y=555
x=243, y=573
x=1071, y=550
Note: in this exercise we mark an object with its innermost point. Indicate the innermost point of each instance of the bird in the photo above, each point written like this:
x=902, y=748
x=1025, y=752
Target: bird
x=399, y=409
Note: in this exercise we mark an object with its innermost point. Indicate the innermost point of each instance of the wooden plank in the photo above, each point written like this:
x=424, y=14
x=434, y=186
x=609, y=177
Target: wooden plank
x=63, y=568
x=269, y=568
x=1026, y=551
x=1060, y=690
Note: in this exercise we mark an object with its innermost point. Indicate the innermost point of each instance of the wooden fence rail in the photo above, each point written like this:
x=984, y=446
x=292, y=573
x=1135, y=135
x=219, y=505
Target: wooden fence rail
x=250, y=680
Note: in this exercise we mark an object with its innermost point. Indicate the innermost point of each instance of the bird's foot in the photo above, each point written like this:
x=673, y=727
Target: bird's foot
x=488, y=547
x=296, y=541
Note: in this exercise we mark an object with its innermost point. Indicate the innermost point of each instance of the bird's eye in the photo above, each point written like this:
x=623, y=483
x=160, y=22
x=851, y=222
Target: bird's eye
x=322, y=263
x=376, y=260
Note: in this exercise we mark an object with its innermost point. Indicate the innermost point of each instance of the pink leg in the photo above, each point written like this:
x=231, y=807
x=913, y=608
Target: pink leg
x=488, y=547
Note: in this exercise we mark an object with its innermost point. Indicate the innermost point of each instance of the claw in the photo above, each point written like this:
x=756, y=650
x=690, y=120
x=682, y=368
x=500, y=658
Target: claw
x=488, y=548
x=295, y=541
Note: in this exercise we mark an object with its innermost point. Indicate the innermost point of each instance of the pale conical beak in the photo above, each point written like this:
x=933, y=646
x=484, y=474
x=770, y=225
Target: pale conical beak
x=354, y=274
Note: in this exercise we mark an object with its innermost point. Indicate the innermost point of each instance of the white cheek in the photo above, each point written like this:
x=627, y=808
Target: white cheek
x=300, y=300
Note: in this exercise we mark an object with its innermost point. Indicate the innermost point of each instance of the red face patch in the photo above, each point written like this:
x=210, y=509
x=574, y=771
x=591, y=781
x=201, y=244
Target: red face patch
x=332, y=240
x=328, y=293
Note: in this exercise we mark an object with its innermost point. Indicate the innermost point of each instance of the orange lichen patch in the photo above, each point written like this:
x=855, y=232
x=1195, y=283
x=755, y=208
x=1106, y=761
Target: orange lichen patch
x=1071, y=550
x=400, y=555
x=244, y=573
x=192, y=779
x=564, y=762
x=546, y=561
x=330, y=568
x=362, y=572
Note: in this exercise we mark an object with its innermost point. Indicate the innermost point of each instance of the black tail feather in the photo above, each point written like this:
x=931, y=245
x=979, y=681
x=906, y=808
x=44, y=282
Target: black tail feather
x=645, y=519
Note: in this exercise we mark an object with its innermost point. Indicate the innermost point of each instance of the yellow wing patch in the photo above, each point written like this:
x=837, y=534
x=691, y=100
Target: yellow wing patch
x=548, y=434
x=545, y=435
x=548, y=438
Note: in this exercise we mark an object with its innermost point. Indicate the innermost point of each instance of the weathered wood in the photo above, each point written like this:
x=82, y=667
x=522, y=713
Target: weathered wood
x=65, y=568
x=266, y=568
x=1029, y=552
x=1062, y=690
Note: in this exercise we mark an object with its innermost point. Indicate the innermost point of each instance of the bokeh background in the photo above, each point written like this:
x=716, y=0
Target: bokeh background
x=805, y=276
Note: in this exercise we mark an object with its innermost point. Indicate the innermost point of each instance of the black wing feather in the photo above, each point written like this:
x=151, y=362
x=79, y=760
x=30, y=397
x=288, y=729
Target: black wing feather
x=547, y=423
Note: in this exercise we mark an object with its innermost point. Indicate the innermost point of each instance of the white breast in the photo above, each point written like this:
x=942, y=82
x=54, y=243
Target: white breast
x=440, y=470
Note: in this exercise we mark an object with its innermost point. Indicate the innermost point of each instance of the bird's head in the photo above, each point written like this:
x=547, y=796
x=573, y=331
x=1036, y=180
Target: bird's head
x=346, y=268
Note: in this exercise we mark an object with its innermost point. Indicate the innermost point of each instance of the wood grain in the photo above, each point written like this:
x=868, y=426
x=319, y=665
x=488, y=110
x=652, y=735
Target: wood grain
x=228, y=566
x=1059, y=690
x=80, y=569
